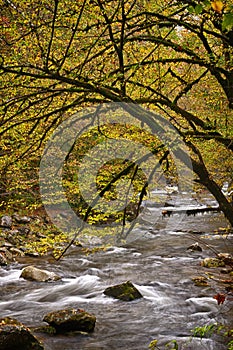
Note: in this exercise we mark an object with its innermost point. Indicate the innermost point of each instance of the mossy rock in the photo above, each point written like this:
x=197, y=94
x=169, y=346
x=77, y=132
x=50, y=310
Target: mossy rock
x=15, y=336
x=125, y=291
x=212, y=262
x=45, y=329
x=70, y=320
x=200, y=281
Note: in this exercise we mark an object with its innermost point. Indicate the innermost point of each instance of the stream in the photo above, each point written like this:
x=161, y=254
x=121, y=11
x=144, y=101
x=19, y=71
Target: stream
x=155, y=258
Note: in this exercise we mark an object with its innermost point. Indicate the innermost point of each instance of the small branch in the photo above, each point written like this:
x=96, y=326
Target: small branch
x=52, y=32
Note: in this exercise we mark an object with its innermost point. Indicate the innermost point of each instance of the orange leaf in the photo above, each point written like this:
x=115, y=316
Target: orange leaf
x=217, y=6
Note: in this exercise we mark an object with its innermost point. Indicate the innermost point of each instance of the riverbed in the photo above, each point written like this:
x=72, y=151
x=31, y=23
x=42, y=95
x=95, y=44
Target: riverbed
x=156, y=258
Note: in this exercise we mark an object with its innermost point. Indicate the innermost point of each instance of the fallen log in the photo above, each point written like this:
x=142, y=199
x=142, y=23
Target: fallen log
x=188, y=212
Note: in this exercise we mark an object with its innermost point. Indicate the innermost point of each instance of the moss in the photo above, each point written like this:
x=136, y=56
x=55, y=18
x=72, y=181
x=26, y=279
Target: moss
x=124, y=291
x=200, y=281
x=212, y=262
x=45, y=329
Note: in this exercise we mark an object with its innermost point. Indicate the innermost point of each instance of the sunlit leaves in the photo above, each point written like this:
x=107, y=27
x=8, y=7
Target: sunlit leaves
x=174, y=61
x=217, y=6
x=227, y=23
x=116, y=179
x=196, y=9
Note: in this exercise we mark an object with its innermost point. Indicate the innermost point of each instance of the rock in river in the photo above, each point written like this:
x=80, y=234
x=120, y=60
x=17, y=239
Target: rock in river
x=70, y=320
x=31, y=273
x=125, y=291
x=15, y=336
x=212, y=262
x=195, y=247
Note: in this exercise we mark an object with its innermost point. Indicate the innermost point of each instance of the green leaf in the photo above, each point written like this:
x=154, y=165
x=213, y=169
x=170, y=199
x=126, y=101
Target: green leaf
x=153, y=344
x=191, y=9
x=198, y=9
x=174, y=344
x=227, y=23
x=207, y=4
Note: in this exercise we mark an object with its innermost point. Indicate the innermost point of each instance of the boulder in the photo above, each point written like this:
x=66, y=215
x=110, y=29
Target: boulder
x=15, y=336
x=31, y=273
x=6, y=221
x=125, y=291
x=71, y=320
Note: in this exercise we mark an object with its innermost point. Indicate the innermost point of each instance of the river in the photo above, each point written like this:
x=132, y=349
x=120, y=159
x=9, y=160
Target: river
x=155, y=258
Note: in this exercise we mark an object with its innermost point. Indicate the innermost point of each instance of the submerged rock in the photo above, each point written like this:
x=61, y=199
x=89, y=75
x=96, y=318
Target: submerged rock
x=15, y=336
x=125, y=291
x=195, y=247
x=31, y=273
x=70, y=320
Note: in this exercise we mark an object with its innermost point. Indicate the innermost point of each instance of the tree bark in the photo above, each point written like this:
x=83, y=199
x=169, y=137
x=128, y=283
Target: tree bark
x=225, y=206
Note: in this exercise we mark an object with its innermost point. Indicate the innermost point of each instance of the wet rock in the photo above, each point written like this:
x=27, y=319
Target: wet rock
x=229, y=288
x=70, y=320
x=21, y=219
x=31, y=254
x=8, y=255
x=6, y=221
x=212, y=262
x=13, y=233
x=31, y=273
x=15, y=336
x=12, y=240
x=225, y=271
x=226, y=258
x=195, y=247
x=200, y=281
x=125, y=291
x=3, y=260
x=8, y=244
x=16, y=251
x=24, y=230
x=45, y=329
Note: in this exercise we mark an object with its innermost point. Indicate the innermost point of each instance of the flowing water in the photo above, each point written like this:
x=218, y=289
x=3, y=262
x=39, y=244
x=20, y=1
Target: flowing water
x=155, y=258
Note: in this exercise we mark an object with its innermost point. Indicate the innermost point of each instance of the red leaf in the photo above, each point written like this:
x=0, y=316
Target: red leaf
x=220, y=297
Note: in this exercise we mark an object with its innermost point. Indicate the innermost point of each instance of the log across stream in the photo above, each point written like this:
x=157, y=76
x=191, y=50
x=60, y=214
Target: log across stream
x=193, y=211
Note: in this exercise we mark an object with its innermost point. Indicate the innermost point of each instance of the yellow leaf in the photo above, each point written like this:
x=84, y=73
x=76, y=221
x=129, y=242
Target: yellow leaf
x=217, y=6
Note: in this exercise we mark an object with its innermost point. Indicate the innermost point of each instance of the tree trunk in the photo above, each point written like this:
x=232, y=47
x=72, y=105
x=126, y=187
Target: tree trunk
x=204, y=178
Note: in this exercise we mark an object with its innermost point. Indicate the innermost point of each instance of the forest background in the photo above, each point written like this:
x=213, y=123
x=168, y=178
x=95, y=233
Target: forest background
x=174, y=58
